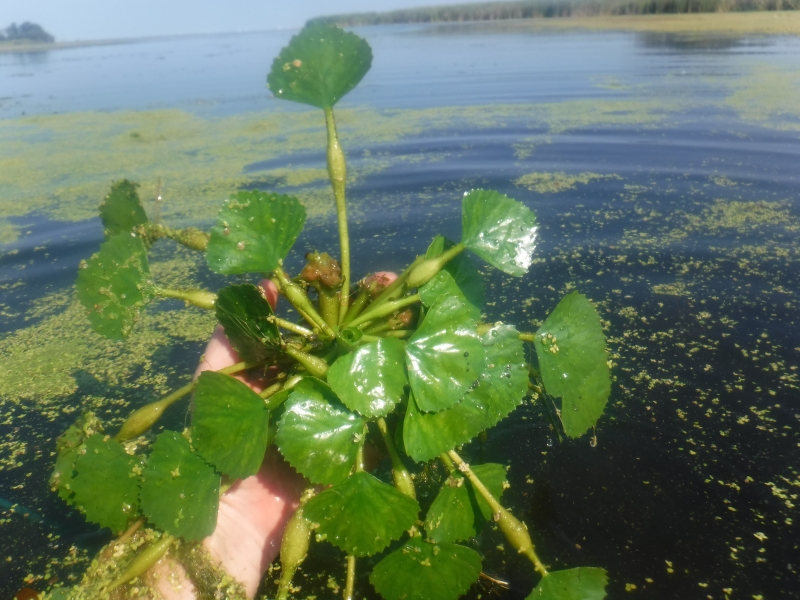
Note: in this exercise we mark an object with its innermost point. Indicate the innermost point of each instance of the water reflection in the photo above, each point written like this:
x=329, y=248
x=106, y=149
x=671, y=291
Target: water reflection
x=694, y=42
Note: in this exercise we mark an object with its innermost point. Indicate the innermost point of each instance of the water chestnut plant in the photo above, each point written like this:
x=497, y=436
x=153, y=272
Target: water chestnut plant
x=407, y=364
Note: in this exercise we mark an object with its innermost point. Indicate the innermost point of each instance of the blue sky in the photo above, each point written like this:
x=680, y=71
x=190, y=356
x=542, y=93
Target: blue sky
x=104, y=19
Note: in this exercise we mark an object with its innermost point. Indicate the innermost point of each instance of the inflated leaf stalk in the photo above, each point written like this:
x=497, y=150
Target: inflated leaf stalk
x=413, y=358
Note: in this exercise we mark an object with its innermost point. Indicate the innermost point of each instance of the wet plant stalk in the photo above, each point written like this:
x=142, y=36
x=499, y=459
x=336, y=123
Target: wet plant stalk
x=293, y=327
x=337, y=172
x=143, y=561
x=298, y=298
x=401, y=476
x=351, y=578
x=199, y=298
x=294, y=549
x=397, y=286
x=386, y=308
x=514, y=529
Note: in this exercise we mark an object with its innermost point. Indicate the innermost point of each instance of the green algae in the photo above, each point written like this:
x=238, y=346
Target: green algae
x=59, y=166
x=768, y=97
x=559, y=181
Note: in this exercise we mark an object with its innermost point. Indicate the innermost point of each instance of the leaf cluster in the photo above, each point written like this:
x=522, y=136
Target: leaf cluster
x=413, y=361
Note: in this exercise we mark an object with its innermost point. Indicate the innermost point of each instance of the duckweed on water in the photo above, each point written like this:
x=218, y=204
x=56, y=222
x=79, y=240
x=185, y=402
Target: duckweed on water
x=558, y=181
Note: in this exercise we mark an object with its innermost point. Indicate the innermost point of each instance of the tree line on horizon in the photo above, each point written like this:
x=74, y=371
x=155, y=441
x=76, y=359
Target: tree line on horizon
x=28, y=32
x=532, y=9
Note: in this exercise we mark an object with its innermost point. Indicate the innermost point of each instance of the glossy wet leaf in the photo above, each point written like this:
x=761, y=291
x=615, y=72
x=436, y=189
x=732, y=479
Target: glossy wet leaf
x=370, y=380
x=583, y=583
x=500, y=230
x=106, y=483
x=361, y=515
x=317, y=435
x=451, y=517
x=121, y=210
x=500, y=389
x=418, y=570
x=444, y=356
x=229, y=425
x=571, y=349
x=319, y=66
x=493, y=476
x=254, y=232
x=460, y=277
x=114, y=285
x=243, y=312
x=180, y=492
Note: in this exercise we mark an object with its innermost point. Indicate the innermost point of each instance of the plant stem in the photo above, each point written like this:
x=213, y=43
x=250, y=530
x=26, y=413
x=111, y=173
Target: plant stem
x=124, y=537
x=426, y=270
x=351, y=578
x=386, y=308
x=398, y=333
x=337, y=172
x=200, y=298
x=298, y=298
x=515, y=531
x=401, y=476
x=360, y=302
x=143, y=561
x=395, y=289
x=527, y=337
x=315, y=365
x=293, y=327
x=294, y=548
x=143, y=418
x=190, y=237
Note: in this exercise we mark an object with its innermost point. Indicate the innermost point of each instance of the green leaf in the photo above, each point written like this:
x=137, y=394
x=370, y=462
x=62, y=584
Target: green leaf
x=571, y=349
x=122, y=210
x=370, y=380
x=180, y=492
x=115, y=284
x=460, y=277
x=500, y=230
x=230, y=425
x=244, y=314
x=444, y=356
x=317, y=435
x=451, y=517
x=319, y=66
x=361, y=515
x=583, y=583
x=107, y=482
x=68, y=446
x=500, y=389
x=419, y=570
x=493, y=476
x=254, y=232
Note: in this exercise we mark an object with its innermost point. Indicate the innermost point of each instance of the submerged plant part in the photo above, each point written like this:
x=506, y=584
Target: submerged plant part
x=409, y=363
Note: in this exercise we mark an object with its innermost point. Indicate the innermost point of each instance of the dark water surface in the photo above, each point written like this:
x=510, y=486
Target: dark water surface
x=664, y=174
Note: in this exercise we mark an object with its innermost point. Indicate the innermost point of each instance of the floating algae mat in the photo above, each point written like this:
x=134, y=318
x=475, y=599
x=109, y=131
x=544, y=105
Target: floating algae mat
x=669, y=199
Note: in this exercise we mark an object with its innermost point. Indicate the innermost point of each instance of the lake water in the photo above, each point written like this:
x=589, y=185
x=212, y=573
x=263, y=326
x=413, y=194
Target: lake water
x=662, y=169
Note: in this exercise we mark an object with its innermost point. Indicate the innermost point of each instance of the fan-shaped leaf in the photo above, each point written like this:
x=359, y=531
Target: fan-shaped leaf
x=361, y=515
x=451, y=517
x=254, y=232
x=583, y=583
x=459, y=278
x=106, y=485
x=122, y=210
x=230, y=425
x=319, y=66
x=444, y=356
x=180, y=492
x=317, y=435
x=500, y=389
x=244, y=314
x=370, y=380
x=571, y=349
x=419, y=570
x=68, y=446
x=115, y=284
x=500, y=230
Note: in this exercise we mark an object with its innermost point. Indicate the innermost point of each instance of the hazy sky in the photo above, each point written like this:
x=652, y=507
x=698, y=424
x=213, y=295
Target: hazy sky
x=103, y=19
